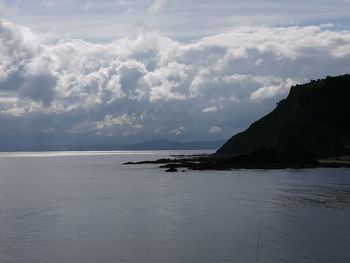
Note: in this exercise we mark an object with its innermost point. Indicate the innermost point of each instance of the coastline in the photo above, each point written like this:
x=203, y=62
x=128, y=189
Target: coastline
x=208, y=162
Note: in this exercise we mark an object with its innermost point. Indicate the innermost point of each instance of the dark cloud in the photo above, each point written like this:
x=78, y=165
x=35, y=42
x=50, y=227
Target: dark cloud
x=39, y=88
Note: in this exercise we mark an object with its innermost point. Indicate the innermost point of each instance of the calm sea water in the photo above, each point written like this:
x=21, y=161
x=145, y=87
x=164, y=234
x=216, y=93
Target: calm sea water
x=87, y=207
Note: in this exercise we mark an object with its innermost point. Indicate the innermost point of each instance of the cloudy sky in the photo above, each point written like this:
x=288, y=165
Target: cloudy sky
x=124, y=71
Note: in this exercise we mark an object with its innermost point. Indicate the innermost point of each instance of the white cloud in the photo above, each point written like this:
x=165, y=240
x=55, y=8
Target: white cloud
x=110, y=125
x=271, y=91
x=178, y=131
x=110, y=121
x=215, y=129
x=210, y=109
x=149, y=82
x=165, y=83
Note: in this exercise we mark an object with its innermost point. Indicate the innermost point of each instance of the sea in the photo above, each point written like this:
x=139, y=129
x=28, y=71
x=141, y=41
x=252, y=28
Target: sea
x=87, y=207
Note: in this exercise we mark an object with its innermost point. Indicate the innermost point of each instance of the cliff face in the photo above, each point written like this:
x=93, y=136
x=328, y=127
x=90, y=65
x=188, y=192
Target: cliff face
x=312, y=122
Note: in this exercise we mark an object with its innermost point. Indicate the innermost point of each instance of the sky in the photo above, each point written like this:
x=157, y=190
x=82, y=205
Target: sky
x=77, y=72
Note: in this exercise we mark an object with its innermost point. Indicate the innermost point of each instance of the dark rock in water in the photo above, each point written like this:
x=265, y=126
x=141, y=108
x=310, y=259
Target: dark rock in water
x=171, y=170
x=313, y=122
x=160, y=161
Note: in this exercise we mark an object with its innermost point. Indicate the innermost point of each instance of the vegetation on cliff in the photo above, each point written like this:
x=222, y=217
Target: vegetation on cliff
x=313, y=122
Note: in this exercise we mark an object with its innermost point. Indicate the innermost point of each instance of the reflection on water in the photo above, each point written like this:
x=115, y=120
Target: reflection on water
x=89, y=208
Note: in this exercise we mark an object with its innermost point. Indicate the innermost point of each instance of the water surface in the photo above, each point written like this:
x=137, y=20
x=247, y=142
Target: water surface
x=87, y=207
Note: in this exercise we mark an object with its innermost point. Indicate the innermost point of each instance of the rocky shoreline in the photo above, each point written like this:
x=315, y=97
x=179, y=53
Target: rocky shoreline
x=208, y=162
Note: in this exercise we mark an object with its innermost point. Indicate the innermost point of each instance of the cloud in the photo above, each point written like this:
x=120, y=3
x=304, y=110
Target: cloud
x=2, y=11
x=110, y=121
x=178, y=131
x=210, y=109
x=270, y=91
x=215, y=129
x=159, y=6
x=39, y=88
x=150, y=86
x=105, y=20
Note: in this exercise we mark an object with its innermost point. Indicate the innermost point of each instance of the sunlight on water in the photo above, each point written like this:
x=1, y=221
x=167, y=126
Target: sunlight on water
x=93, y=153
